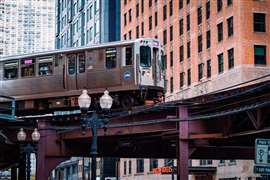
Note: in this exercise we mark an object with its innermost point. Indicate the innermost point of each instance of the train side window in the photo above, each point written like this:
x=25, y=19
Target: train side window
x=28, y=67
x=81, y=63
x=128, y=56
x=11, y=70
x=45, y=66
x=110, y=58
x=71, y=64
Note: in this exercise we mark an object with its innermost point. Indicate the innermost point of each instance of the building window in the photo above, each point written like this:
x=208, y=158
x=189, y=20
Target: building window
x=219, y=5
x=164, y=37
x=188, y=1
x=137, y=10
x=125, y=19
x=230, y=26
x=150, y=23
x=208, y=39
x=260, y=54
x=171, y=7
x=208, y=10
x=171, y=85
x=181, y=53
x=165, y=61
x=137, y=32
x=200, y=45
x=232, y=162
x=125, y=36
x=199, y=15
x=181, y=27
x=140, y=165
x=129, y=167
x=188, y=49
x=156, y=19
x=164, y=12
x=130, y=15
x=220, y=31
x=188, y=22
x=111, y=58
x=11, y=70
x=182, y=79
x=125, y=2
x=208, y=64
x=200, y=71
x=129, y=34
x=150, y=3
x=229, y=2
x=171, y=58
x=222, y=162
x=259, y=22
x=125, y=167
x=220, y=63
x=205, y=162
x=181, y=4
x=142, y=6
x=188, y=77
x=231, y=58
x=142, y=28
x=171, y=33
x=153, y=164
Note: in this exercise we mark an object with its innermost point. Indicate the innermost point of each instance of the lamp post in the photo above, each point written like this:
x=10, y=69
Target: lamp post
x=94, y=122
x=27, y=149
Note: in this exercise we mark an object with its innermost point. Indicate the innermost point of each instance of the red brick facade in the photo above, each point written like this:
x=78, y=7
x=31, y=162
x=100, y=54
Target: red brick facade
x=237, y=14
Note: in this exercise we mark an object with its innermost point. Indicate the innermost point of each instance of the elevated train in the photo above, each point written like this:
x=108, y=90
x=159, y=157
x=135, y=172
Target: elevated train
x=132, y=71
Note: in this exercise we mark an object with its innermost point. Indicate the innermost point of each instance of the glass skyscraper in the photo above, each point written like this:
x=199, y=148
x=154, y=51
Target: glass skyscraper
x=26, y=26
x=86, y=22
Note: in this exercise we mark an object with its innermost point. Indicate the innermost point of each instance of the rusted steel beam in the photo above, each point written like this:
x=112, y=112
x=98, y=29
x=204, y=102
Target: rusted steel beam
x=252, y=119
x=206, y=136
x=121, y=131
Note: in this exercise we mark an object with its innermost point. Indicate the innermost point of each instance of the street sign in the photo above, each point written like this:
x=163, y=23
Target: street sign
x=262, y=169
x=262, y=150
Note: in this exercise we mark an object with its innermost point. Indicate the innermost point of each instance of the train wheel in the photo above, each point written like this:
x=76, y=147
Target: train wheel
x=127, y=101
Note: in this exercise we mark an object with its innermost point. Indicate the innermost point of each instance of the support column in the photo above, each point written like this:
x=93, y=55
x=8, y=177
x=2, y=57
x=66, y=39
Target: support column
x=182, y=168
x=22, y=168
x=47, y=142
x=14, y=173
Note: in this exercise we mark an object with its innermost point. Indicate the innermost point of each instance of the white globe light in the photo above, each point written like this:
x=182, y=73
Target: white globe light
x=35, y=135
x=21, y=136
x=106, y=100
x=84, y=100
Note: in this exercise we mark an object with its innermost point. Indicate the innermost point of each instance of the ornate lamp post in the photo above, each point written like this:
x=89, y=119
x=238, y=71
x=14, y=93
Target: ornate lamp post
x=27, y=149
x=94, y=122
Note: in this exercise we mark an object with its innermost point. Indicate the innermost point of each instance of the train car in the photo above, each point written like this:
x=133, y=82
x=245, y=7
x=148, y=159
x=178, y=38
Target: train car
x=132, y=71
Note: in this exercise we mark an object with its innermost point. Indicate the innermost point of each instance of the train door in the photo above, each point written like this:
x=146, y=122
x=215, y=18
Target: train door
x=71, y=72
x=155, y=66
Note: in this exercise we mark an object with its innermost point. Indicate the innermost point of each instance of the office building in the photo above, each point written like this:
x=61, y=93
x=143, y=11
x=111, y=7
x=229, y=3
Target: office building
x=86, y=22
x=26, y=26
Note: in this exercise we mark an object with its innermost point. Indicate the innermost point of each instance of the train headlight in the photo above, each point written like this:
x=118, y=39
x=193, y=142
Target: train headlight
x=147, y=73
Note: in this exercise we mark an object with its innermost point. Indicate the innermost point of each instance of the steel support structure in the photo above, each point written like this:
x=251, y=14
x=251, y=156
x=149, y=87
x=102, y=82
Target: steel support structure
x=183, y=153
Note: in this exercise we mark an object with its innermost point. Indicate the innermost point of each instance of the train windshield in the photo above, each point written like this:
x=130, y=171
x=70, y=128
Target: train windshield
x=145, y=56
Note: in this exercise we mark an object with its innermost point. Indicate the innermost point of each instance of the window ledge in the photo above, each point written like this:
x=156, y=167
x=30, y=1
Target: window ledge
x=139, y=174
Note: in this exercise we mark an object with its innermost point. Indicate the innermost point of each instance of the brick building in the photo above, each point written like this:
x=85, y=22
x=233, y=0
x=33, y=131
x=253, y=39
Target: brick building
x=210, y=45
x=206, y=42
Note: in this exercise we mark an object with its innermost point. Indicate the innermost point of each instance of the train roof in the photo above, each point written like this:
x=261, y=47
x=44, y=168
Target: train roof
x=72, y=49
